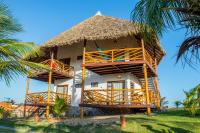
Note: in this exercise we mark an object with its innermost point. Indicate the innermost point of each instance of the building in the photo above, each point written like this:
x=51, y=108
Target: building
x=103, y=62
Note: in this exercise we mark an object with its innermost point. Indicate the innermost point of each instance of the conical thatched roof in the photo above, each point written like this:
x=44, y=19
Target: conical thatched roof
x=97, y=27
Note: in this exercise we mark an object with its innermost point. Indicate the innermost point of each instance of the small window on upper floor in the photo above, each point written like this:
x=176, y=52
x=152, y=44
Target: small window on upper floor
x=65, y=61
x=80, y=57
x=78, y=85
x=94, y=84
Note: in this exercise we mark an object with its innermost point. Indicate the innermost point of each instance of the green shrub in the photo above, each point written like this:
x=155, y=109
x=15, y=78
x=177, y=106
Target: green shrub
x=4, y=113
x=60, y=106
x=192, y=100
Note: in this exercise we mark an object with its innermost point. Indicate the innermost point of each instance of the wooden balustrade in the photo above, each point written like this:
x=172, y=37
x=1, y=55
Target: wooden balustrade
x=57, y=66
x=118, y=55
x=117, y=97
x=40, y=98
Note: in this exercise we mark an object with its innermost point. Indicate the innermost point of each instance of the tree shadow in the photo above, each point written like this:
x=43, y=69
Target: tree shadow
x=19, y=124
x=169, y=130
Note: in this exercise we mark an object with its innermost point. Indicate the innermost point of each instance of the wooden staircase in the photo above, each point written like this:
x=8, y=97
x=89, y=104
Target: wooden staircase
x=154, y=93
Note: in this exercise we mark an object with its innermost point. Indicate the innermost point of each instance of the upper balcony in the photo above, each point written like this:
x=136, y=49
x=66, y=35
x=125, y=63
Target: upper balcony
x=59, y=71
x=120, y=61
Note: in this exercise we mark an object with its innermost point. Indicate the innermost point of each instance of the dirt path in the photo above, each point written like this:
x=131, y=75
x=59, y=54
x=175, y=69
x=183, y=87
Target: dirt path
x=96, y=120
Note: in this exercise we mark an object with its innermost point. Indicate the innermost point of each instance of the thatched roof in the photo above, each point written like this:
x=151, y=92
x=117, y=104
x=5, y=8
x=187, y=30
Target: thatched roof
x=97, y=27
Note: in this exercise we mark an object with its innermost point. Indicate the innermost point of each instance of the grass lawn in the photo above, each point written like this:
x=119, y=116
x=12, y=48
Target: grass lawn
x=176, y=121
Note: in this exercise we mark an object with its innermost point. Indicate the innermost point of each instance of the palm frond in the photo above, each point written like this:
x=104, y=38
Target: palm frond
x=189, y=50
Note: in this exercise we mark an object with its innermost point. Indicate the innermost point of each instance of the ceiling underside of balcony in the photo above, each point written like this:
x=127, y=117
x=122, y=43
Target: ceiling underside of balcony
x=121, y=67
x=44, y=76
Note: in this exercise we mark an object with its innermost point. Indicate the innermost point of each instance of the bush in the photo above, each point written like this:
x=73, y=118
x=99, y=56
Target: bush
x=192, y=100
x=4, y=113
x=60, y=106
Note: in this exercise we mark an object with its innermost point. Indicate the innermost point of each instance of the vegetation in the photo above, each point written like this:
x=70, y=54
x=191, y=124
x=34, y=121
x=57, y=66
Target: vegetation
x=60, y=106
x=4, y=113
x=177, y=103
x=10, y=100
x=191, y=103
x=13, y=53
x=163, y=102
x=173, y=121
x=160, y=15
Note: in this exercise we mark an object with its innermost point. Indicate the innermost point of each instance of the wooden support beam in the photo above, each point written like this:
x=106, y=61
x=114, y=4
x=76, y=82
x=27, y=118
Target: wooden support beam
x=49, y=86
x=146, y=80
x=83, y=80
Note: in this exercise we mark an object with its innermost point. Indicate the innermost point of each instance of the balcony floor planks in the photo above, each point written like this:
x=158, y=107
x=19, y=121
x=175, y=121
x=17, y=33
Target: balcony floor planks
x=44, y=76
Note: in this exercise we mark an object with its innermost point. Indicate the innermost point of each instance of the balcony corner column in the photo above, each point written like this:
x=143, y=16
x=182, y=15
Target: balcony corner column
x=146, y=89
x=83, y=81
x=146, y=79
x=49, y=85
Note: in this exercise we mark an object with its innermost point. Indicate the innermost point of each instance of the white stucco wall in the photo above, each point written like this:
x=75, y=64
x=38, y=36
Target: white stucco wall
x=76, y=50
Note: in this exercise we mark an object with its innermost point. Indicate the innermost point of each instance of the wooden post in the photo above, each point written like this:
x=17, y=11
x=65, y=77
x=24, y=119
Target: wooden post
x=123, y=121
x=83, y=80
x=49, y=86
x=156, y=85
x=146, y=80
x=27, y=89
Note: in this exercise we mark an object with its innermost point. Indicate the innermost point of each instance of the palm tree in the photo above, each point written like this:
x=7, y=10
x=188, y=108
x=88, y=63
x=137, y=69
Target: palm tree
x=14, y=54
x=160, y=15
x=60, y=106
x=192, y=100
x=163, y=102
x=177, y=103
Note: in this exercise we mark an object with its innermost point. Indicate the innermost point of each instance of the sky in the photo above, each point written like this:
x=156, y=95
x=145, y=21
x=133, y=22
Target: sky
x=43, y=19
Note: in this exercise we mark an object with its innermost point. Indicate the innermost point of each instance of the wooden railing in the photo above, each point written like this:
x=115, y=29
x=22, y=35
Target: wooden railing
x=118, y=55
x=41, y=98
x=56, y=66
x=117, y=96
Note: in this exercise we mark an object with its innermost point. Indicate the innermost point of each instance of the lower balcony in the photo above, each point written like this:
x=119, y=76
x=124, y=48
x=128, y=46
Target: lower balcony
x=41, y=98
x=118, y=98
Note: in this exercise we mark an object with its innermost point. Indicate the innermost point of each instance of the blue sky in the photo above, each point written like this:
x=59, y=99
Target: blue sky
x=43, y=19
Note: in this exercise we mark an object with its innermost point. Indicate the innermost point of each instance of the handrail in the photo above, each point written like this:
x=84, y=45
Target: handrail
x=118, y=55
x=41, y=97
x=56, y=66
x=118, y=96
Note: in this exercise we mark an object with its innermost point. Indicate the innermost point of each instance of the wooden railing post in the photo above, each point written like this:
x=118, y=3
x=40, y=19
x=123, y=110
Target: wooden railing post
x=83, y=80
x=112, y=56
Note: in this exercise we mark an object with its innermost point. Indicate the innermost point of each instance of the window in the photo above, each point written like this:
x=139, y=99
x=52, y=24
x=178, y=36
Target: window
x=79, y=57
x=78, y=85
x=94, y=84
x=65, y=61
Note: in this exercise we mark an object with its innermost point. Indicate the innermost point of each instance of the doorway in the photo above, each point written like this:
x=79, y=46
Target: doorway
x=115, y=90
x=62, y=90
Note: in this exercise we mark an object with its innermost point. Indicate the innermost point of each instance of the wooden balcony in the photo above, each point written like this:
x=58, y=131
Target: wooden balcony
x=120, y=61
x=118, y=98
x=59, y=71
x=41, y=98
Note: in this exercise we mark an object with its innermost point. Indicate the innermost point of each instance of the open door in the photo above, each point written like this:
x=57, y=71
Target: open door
x=115, y=91
x=62, y=90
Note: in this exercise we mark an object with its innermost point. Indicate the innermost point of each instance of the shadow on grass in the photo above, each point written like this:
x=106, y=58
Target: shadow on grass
x=19, y=124
x=170, y=129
